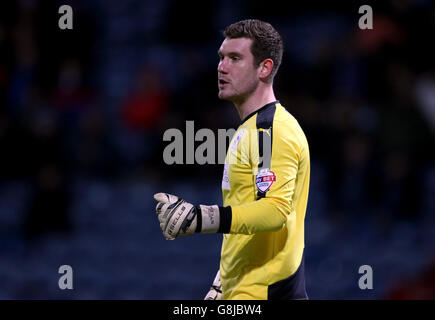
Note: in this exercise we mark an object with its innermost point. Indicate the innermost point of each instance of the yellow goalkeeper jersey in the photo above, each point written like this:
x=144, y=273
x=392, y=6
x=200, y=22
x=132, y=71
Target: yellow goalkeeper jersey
x=265, y=182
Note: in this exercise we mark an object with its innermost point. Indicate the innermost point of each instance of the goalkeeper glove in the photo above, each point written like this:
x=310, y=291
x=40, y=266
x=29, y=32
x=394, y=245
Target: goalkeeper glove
x=215, y=292
x=179, y=218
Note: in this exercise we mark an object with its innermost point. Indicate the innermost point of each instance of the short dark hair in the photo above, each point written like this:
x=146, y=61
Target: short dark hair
x=266, y=41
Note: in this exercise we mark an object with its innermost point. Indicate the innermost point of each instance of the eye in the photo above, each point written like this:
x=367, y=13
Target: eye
x=235, y=58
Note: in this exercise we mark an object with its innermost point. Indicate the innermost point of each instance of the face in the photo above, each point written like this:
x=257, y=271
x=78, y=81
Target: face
x=237, y=76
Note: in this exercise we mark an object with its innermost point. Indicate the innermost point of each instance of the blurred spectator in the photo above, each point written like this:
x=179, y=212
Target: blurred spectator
x=386, y=32
x=71, y=95
x=147, y=104
x=26, y=57
x=354, y=175
x=13, y=162
x=418, y=287
x=94, y=154
x=425, y=96
x=142, y=112
x=49, y=206
x=401, y=188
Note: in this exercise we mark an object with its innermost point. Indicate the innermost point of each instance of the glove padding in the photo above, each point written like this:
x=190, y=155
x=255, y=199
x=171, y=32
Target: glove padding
x=180, y=218
x=215, y=292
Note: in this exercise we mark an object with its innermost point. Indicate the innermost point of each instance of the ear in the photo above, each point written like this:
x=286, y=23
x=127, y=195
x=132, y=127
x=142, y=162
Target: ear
x=266, y=67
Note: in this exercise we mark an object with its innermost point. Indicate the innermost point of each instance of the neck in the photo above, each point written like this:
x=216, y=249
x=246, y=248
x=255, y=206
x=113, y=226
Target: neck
x=255, y=101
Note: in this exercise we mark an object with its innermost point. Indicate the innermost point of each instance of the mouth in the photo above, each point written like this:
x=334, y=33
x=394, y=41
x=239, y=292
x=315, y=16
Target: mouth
x=222, y=83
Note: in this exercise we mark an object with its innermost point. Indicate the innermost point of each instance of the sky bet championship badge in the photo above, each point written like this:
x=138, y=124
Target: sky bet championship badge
x=264, y=180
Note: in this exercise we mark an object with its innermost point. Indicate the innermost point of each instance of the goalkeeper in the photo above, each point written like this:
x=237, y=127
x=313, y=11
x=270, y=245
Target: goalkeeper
x=265, y=180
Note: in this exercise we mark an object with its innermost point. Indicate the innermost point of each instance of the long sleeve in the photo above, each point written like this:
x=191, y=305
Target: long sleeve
x=270, y=212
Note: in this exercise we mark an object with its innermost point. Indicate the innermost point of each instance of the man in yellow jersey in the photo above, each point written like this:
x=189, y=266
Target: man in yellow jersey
x=265, y=181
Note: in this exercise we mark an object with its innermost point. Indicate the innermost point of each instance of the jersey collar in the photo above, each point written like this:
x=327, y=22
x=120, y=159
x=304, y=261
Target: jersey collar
x=258, y=110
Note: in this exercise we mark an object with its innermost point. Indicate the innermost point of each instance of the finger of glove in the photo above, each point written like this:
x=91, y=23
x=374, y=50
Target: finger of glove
x=165, y=197
x=159, y=206
x=211, y=295
x=164, y=201
x=168, y=237
x=165, y=212
x=217, y=280
x=176, y=218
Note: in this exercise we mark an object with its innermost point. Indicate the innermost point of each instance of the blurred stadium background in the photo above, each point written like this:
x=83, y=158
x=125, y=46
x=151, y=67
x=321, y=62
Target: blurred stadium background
x=82, y=117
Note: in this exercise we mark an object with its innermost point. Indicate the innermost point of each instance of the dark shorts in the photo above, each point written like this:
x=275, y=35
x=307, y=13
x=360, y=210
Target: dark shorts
x=291, y=288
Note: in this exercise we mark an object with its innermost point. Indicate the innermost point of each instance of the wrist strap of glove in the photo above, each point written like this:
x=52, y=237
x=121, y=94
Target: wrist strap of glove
x=212, y=219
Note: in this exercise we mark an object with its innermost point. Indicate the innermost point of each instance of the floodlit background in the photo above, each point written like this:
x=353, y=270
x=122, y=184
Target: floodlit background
x=83, y=112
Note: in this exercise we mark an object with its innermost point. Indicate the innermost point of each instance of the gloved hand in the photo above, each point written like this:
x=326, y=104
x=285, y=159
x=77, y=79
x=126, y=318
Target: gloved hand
x=180, y=218
x=215, y=292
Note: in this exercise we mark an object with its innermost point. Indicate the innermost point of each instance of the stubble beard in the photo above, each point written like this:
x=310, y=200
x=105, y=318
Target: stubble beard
x=239, y=97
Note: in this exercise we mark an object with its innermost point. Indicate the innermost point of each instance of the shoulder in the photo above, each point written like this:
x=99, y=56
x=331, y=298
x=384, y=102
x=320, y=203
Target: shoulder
x=284, y=121
x=286, y=127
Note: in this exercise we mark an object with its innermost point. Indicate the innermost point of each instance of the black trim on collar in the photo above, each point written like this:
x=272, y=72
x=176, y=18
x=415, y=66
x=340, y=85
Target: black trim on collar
x=260, y=109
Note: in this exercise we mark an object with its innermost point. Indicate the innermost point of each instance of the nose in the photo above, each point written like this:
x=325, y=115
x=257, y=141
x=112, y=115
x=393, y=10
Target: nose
x=222, y=67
